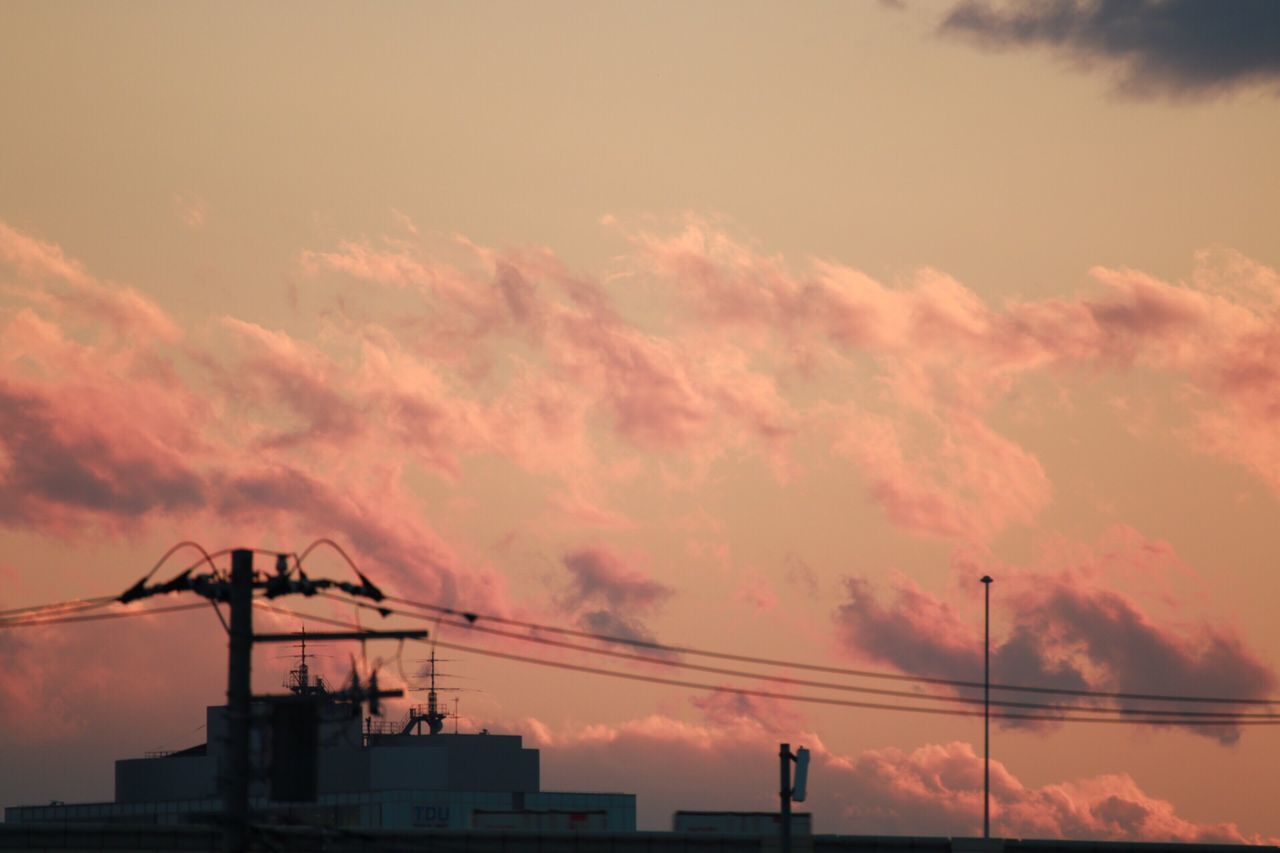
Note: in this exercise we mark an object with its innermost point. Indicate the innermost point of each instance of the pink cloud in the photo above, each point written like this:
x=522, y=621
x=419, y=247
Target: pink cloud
x=937, y=790
x=756, y=591
x=56, y=277
x=498, y=342
x=275, y=371
x=941, y=352
x=81, y=455
x=969, y=485
x=73, y=448
x=729, y=762
x=660, y=393
x=116, y=435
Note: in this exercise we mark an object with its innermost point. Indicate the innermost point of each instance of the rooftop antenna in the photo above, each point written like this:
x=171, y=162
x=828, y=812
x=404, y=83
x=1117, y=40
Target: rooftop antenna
x=455, y=715
x=299, y=680
x=435, y=717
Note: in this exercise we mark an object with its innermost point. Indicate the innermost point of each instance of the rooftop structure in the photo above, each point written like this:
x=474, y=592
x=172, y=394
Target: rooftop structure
x=362, y=773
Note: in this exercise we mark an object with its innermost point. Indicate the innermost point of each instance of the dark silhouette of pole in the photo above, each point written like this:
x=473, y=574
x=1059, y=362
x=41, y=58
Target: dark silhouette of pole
x=235, y=772
x=784, y=794
x=235, y=780
x=986, y=710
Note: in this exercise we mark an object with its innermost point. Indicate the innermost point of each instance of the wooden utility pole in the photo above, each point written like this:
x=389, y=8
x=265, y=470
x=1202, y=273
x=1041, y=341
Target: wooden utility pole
x=235, y=776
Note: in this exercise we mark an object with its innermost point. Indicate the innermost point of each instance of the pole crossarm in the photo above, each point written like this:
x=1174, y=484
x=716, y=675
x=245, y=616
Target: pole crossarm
x=354, y=695
x=342, y=635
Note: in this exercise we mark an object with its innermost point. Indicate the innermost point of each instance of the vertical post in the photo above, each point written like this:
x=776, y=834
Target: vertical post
x=986, y=710
x=236, y=775
x=784, y=794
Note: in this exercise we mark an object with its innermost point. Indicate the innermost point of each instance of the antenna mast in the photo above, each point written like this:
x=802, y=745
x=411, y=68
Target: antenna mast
x=435, y=717
x=299, y=680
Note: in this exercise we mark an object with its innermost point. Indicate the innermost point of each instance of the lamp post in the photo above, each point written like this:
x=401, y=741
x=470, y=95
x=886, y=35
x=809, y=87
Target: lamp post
x=986, y=710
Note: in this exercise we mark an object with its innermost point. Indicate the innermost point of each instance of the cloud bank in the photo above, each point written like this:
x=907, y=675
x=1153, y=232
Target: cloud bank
x=1066, y=629
x=729, y=761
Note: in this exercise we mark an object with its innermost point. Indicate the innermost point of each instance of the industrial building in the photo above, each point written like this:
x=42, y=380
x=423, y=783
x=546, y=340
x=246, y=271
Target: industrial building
x=349, y=772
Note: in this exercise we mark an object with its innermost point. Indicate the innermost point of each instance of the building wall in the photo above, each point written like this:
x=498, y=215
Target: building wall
x=391, y=768
x=173, y=777
x=400, y=809
x=453, y=762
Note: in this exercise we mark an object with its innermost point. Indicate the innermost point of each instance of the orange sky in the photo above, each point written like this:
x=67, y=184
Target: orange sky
x=746, y=326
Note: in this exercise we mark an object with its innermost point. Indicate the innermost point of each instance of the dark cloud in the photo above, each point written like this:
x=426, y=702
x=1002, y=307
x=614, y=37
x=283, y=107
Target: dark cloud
x=599, y=575
x=1063, y=636
x=1142, y=657
x=1158, y=46
x=726, y=710
x=608, y=596
x=613, y=624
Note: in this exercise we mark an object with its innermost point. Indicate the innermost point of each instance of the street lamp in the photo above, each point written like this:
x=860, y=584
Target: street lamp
x=986, y=711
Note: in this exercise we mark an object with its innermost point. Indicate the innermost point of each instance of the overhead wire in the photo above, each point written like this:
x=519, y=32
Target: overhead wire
x=1225, y=720
x=74, y=611
x=324, y=540
x=801, y=682
x=97, y=617
x=473, y=616
x=80, y=605
x=206, y=557
x=73, y=604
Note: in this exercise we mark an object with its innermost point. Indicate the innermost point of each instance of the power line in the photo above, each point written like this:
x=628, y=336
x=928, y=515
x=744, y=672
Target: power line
x=74, y=604
x=102, y=600
x=70, y=611
x=847, y=703
x=94, y=617
x=206, y=557
x=472, y=617
x=800, y=682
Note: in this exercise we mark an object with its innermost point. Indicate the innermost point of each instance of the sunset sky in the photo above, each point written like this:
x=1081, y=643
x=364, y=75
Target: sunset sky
x=766, y=328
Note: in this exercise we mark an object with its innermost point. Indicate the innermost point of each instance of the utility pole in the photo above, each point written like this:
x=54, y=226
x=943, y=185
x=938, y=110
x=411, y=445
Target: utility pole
x=237, y=591
x=235, y=778
x=784, y=794
x=788, y=791
x=986, y=711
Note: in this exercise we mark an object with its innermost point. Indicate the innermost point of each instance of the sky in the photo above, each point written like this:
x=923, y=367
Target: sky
x=757, y=327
